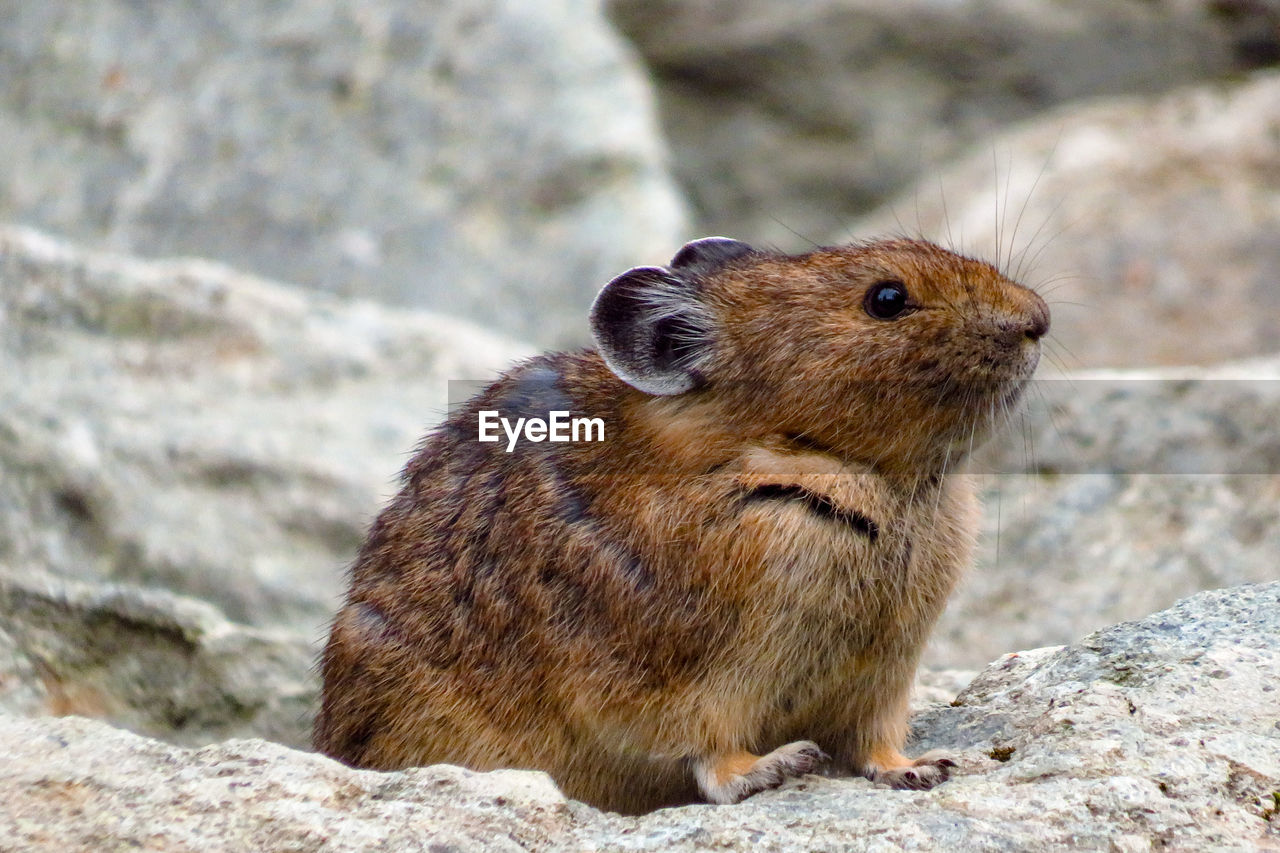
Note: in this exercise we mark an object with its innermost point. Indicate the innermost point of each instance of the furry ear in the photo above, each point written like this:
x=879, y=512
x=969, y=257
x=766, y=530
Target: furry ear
x=652, y=330
x=710, y=252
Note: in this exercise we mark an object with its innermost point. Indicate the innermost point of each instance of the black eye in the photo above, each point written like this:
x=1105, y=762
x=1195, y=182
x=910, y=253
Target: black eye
x=886, y=300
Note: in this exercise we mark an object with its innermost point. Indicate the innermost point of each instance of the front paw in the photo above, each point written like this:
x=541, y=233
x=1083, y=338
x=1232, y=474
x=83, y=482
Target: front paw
x=925, y=772
x=730, y=779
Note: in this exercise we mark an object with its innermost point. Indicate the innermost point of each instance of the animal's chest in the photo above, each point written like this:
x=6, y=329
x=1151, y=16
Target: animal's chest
x=825, y=592
x=836, y=589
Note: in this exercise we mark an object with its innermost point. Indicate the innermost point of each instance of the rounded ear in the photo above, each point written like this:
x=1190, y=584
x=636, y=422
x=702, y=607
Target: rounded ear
x=710, y=251
x=652, y=330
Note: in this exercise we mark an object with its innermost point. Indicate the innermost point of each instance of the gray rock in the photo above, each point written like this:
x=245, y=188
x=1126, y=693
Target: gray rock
x=1128, y=491
x=151, y=662
x=1149, y=224
x=471, y=157
x=1178, y=421
x=1160, y=733
x=790, y=119
x=1178, y=708
x=1063, y=556
x=73, y=784
x=182, y=426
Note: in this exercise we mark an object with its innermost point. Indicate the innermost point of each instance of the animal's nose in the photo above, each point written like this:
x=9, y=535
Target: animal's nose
x=1037, y=318
x=1030, y=320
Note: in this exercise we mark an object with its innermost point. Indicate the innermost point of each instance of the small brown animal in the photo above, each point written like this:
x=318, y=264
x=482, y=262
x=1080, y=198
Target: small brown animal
x=738, y=580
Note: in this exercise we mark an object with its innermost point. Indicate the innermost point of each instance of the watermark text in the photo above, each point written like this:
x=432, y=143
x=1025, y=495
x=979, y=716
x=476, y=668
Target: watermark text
x=556, y=427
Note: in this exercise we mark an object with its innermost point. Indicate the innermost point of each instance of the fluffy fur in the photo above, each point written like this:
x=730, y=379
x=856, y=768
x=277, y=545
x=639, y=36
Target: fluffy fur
x=736, y=584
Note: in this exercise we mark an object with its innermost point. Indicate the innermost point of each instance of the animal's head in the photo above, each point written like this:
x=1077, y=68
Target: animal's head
x=891, y=350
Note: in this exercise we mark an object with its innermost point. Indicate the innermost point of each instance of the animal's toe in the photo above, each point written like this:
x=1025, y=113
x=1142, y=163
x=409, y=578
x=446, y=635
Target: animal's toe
x=936, y=756
x=917, y=777
x=802, y=757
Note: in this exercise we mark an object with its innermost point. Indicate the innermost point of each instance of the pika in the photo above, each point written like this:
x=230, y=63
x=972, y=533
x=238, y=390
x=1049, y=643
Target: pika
x=735, y=585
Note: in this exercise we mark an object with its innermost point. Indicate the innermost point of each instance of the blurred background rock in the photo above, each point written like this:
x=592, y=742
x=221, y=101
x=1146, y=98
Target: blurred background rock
x=368, y=199
x=469, y=156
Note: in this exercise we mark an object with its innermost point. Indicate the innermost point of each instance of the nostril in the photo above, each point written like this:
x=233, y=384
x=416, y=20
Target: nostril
x=1039, y=326
x=1038, y=323
x=1030, y=323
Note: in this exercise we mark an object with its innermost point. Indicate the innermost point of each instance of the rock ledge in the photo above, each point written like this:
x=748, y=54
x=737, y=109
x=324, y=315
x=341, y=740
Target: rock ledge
x=1161, y=732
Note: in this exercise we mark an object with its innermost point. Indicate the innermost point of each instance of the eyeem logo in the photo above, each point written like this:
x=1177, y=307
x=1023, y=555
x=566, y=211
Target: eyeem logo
x=557, y=427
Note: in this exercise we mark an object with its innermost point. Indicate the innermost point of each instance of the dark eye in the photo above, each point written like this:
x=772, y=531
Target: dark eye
x=886, y=300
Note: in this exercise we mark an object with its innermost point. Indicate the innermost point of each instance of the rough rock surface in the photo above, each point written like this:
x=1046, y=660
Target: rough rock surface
x=72, y=784
x=1148, y=223
x=182, y=426
x=470, y=156
x=149, y=661
x=803, y=115
x=1160, y=733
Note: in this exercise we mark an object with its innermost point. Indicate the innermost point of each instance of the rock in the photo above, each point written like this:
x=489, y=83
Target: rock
x=1171, y=718
x=1176, y=421
x=471, y=157
x=938, y=686
x=788, y=120
x=1148, y=223
x=178, y=425
x=1159, y=733
x=151, y=662
x=1124, y=491
x=1064, y=555
x=77, y=784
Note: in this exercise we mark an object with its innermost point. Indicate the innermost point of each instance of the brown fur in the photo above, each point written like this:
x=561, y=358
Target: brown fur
x=733, y=569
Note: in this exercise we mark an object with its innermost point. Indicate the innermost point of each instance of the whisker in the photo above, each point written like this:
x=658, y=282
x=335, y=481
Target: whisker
x=797, y=234
x=1053, y=421
x=1056, y=360
x=999, y=509
x=946, y=216
x=1054, y=283
x=1062, y=345
x=1028, y=445
x=1035, y=259
x=1027, y=200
